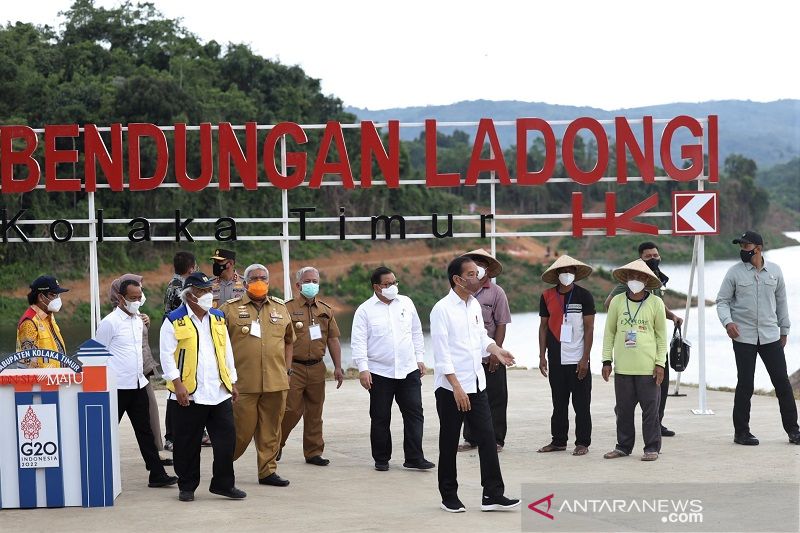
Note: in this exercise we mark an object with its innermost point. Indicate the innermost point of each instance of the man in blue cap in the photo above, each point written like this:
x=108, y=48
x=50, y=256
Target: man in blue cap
x=197, y=360
x=752, y=307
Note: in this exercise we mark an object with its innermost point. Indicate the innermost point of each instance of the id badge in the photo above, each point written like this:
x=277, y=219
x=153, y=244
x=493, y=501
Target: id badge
x=255, y=329
x=315, y=332
x=630, y=339
x=566, y=332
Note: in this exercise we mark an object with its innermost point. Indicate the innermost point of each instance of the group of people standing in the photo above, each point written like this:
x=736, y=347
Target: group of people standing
x=243, y=366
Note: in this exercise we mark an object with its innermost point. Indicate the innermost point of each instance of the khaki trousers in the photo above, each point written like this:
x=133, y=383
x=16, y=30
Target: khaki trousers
x=258, y=416
x=305, y=399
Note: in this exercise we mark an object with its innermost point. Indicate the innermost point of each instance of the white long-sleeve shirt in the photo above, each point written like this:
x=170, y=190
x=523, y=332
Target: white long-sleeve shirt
x=210, y=390
x=459, y=342
x=386, y=338
x=121, y=334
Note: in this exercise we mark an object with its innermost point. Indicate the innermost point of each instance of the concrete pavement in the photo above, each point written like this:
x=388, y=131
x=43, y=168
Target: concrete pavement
x=349, y=495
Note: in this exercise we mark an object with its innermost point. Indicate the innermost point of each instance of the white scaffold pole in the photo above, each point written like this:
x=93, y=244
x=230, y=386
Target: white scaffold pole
x=702, y=408
x=686, y=315
x=492, y=206
x=94, y=271
x=287, y=277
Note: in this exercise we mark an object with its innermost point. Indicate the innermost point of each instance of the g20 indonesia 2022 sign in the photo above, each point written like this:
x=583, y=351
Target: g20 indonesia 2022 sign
x=221, y=152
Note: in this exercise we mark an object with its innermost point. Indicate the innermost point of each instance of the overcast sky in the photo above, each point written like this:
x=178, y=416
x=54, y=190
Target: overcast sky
x=613, y=54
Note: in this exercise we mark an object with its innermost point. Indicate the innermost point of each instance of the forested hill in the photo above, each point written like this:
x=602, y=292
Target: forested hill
x=769, y=133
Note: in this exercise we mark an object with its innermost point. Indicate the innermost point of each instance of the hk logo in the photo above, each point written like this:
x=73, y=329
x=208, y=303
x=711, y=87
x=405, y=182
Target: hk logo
x=31, y=425
x=545, y=513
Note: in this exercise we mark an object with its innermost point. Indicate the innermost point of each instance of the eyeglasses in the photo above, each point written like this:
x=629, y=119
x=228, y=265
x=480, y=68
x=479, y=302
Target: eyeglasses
x=389, y=284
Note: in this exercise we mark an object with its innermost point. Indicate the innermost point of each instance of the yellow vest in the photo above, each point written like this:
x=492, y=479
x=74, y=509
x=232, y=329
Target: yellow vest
x=47, y=338
x=187, y=351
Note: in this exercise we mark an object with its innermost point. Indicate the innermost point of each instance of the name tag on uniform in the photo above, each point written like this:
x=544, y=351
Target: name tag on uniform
x=315, y=332
x=566, y=331
x=630, y=339
x=255, y=329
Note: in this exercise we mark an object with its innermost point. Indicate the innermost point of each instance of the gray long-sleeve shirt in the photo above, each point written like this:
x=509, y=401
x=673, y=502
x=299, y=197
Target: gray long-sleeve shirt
x=755, y=301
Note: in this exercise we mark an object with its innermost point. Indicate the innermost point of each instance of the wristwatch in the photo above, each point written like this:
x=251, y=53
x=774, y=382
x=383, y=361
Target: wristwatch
x=290, y=372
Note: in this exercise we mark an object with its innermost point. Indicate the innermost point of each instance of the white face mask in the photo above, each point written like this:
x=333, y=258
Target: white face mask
x=481, y=272
x=566, y=278
x=54, y=306
x=390, y=292
x=143, y=300
x=206, y=301
x=636, y=286
x=133, y=307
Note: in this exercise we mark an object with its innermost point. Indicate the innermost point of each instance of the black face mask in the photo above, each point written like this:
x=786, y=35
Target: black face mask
x=747, y=255
x=219, y=268
x=653, y=264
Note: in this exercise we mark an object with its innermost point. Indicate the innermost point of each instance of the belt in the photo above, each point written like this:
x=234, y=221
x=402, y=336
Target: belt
x=307, y=362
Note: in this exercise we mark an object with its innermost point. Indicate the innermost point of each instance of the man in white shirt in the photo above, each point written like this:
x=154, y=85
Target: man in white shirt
x=388, y=348
x=121, y=333
x=460, y=342
x=197, y=360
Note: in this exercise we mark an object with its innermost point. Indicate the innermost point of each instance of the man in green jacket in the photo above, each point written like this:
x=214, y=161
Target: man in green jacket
x=635, y=341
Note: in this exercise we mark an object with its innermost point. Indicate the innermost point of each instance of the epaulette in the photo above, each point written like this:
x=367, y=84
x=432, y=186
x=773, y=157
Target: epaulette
x=233, y=300
x=276, y=299
x=326, y=304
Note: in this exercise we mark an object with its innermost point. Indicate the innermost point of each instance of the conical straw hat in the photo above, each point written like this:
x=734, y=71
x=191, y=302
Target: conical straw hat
x=493, y=267
x=638, y=266
x=550, y=275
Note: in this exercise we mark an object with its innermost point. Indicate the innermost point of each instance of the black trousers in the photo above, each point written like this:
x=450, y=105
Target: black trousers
x=136, y=403
x=664, y=393
x=450, y=420
x=564, y=383
x=187, y=426
x=168, y=421
x=497, y=390
x=775, y=362
x=407, y=392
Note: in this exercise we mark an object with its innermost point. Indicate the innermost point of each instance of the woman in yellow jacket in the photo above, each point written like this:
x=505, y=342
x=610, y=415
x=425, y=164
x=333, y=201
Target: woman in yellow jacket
x=37, y=328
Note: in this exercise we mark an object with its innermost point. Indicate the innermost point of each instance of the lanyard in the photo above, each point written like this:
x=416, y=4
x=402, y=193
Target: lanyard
x=632, y=319
x=566, y=302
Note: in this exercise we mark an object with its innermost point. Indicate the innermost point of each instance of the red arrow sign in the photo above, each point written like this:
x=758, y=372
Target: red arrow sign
x=695, y=213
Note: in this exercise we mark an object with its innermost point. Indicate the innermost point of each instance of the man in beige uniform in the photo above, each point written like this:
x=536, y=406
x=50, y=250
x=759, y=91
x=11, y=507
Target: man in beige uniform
x=261, y=335
x=316, y=329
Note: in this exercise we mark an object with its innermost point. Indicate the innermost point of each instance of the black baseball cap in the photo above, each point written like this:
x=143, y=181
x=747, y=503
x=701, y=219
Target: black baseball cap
x=223, y=255
x=749, y=237
x=47, y=284
x=197, y=279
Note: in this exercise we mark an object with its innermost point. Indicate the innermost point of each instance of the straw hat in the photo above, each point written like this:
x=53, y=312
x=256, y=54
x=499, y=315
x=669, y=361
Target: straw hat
x=550, y=275
x=493, y=266
x=638, y=266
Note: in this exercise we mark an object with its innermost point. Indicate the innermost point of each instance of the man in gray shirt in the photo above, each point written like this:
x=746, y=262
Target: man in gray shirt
x=752, y=306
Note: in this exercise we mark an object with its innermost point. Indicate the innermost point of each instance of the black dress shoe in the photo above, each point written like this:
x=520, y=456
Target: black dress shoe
x=422, y=464
x=274, y=479
x=667, y=432
x=186, y=496
x=165, y=481
x=746, y=439
x=381, y=467
x=318, y=460
x=794, y=437
x=232, y=493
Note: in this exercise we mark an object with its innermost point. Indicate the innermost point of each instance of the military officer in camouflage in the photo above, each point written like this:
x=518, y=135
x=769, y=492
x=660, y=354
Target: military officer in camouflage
x=316, y=329
x=227, y=283
x=261, y=335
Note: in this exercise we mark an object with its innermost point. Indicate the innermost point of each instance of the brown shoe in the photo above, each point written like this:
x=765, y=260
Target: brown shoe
x=551, y=448
x=615, y=454
x=466, y=446
x=650, y=456
x=580, y=449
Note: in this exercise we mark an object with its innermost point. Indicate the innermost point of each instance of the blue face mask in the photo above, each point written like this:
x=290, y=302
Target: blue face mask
x=309, y=290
